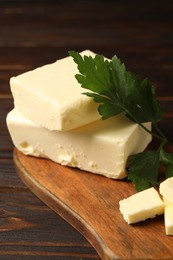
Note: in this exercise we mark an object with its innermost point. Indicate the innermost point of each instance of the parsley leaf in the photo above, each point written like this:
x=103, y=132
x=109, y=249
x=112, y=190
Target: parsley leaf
x=143, y=169
x=167, y=160
x=138, y=96
x=117, y=90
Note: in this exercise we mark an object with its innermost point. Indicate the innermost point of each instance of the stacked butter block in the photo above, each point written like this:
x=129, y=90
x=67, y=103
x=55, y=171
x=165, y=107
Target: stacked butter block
x=53, y=119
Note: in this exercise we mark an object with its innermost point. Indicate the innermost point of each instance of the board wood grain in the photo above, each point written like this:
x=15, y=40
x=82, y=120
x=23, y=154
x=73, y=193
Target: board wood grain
x=90, y=203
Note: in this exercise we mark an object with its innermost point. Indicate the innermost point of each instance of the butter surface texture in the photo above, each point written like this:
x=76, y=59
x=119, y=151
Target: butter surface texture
x=51, y=96
x=141, y=206
x=166, y=189
x=168, y=218
x=101, y=147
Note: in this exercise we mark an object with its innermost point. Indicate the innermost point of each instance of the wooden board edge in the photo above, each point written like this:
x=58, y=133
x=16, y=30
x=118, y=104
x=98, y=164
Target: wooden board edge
x=62, y=209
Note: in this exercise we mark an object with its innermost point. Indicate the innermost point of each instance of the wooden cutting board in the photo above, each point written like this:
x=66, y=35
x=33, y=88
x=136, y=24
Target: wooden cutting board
x=90, y=203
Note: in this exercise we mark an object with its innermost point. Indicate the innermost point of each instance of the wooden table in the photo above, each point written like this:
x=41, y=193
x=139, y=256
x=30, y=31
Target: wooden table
x=33, y=33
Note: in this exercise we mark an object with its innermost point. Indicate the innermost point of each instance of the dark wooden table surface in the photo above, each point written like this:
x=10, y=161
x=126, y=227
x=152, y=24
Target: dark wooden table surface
x=33, y=33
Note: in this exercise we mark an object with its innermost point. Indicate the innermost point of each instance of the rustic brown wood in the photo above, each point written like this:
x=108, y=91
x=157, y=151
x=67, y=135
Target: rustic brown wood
x=91, y=204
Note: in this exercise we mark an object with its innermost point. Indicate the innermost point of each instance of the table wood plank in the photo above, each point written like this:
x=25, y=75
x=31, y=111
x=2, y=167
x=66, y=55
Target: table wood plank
x=33, y=229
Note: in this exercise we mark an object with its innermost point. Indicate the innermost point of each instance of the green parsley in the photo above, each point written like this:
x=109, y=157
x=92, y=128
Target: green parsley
x=120, y=91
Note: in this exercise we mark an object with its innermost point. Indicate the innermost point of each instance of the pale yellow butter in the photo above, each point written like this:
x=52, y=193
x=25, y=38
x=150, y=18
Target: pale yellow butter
x=141, y=206
x=166, y=189
x=51, y=96
x=102, y=147
x=168, y=218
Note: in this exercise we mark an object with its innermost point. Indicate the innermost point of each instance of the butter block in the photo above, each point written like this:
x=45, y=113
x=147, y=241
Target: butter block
x=166, y=189
x=141, y=206
x=168, y=218
x=101, y=147
x=51, y=96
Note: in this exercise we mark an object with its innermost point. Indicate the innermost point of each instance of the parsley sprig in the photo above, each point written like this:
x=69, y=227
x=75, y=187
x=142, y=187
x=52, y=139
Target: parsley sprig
x=120, y=91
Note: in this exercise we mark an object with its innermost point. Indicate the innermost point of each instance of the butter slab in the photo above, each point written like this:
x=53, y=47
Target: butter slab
x=51, y=96
x=101, y=147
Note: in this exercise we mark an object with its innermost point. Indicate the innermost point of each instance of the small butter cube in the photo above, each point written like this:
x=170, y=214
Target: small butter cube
x=141, y=206
x=168, y=217
x=166, y=190
x=51, y=97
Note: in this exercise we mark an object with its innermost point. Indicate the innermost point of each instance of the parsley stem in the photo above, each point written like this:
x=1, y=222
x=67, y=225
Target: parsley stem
x=159, y=136
x=151, y=132
x=159, y=132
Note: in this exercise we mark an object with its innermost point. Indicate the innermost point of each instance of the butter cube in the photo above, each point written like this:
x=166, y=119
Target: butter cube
x=168, y=218
x=51, y=97
x=166, y=189
x=141, y=206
